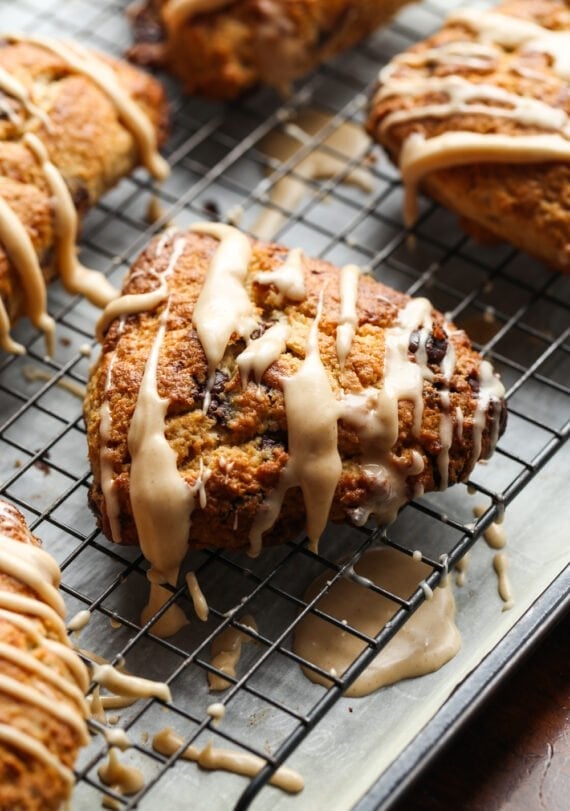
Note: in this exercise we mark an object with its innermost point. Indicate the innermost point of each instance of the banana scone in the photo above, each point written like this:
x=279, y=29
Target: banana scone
x=245, y=392
x=478, y=116
x=72, y=124
x=219, y=48
x=42, y=680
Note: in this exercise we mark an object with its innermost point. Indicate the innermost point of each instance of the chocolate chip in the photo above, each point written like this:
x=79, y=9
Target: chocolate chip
x=212, y=209
x=473, y=380
x=436, y=349
x=414, y=341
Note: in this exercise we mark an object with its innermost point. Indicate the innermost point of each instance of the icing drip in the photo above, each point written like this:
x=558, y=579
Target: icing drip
x=463, y=97
x=446, y=420
x=512, y=32
x=20, y=250
x=288, y=278
x=420, y=156
x=501, y=565
x=197, y=595
x=223, y=306
x=161, y=500
x=327, y=160
x=491, y=392
x=36, y=570
x=6, y=342
x=226, y=652
x=12, y=87
x=135, y=120
x=374, y=414
x=125, y=779
x=427, y=641
x=259, y=354
x=167, y=742
x=76, y=278
x=314, y=463
x=129, y=686
x=348, y=321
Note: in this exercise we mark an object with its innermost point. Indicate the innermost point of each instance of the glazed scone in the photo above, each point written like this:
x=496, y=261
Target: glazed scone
x=72, y=124
x=42, y=680
x=478, y=116
x=220, y=48
x=245, y=392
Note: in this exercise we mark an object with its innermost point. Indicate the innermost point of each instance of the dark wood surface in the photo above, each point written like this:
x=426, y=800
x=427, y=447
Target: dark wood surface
x=514, y=754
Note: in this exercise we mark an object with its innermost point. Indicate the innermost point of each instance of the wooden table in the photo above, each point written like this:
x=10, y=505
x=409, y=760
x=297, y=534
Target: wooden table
x=514, y=754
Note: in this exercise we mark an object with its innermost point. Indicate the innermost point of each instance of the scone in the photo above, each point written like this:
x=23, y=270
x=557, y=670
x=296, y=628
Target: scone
x=478, y=116
x=72, y=124
x=219, y=48
x=245, y=392
x=42, y=680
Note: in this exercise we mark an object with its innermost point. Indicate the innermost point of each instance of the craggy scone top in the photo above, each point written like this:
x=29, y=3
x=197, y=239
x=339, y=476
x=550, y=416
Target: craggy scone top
x=245, y=392
x=479, y=116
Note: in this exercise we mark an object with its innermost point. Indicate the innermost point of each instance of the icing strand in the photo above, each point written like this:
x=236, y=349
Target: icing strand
x=83, y=61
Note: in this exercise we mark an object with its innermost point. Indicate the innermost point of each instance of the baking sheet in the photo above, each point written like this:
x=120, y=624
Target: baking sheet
x=216, y=158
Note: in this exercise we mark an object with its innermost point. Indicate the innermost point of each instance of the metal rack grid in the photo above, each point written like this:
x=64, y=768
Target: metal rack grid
x=218, y=163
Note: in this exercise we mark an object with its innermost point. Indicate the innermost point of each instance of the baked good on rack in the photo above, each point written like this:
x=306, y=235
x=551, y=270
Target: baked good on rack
x=478, y=115
x=72, y=124
x=219, y=48
x=245, y=391
x=42, y=680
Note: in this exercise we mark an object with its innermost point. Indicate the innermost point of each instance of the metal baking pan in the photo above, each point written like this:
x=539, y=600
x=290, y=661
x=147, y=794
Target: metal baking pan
x=353, y=753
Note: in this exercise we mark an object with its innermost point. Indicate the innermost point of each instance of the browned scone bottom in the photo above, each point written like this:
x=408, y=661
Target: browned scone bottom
x=239, y=454
x=42, y=681
x=219, y=49
x=88, y=138
x=497, y=80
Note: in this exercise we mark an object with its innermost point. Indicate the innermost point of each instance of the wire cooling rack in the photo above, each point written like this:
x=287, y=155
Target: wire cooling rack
x=517, y=310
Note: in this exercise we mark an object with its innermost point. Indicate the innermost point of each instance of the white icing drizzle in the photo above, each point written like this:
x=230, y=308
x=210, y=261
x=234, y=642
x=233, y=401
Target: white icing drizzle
x=161, y=500
x=260, y=353
x=491, y=392
x=461, y=568
x=513, y=32
x=21, y=252
x=217, y=710
x=347, y=140
x=225, y=652
x=75, y=277
x=420, y=156
x=197, y=596
x=462, y=97
x=348, y=321
x=494, y=31
x=117, y=737
x=403, y=378
x=501, y=565
x=223, y=306
x=167, y=742
x=289, y=277
x=445, y=419
x=79, y=620
x=37, y=570
x=130, y=304
x=137, y=122
x=494, y=535
x=126, y=779
x=12, y=87
x=427, y=641
x=6, y=342
x=129, y=686
x=314, y=463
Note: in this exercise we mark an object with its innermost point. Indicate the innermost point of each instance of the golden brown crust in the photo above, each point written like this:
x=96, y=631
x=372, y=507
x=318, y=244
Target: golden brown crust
x=86, y=140
x=248, y=42
x=26, y=782
x=242, y=441
x=527, y=205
